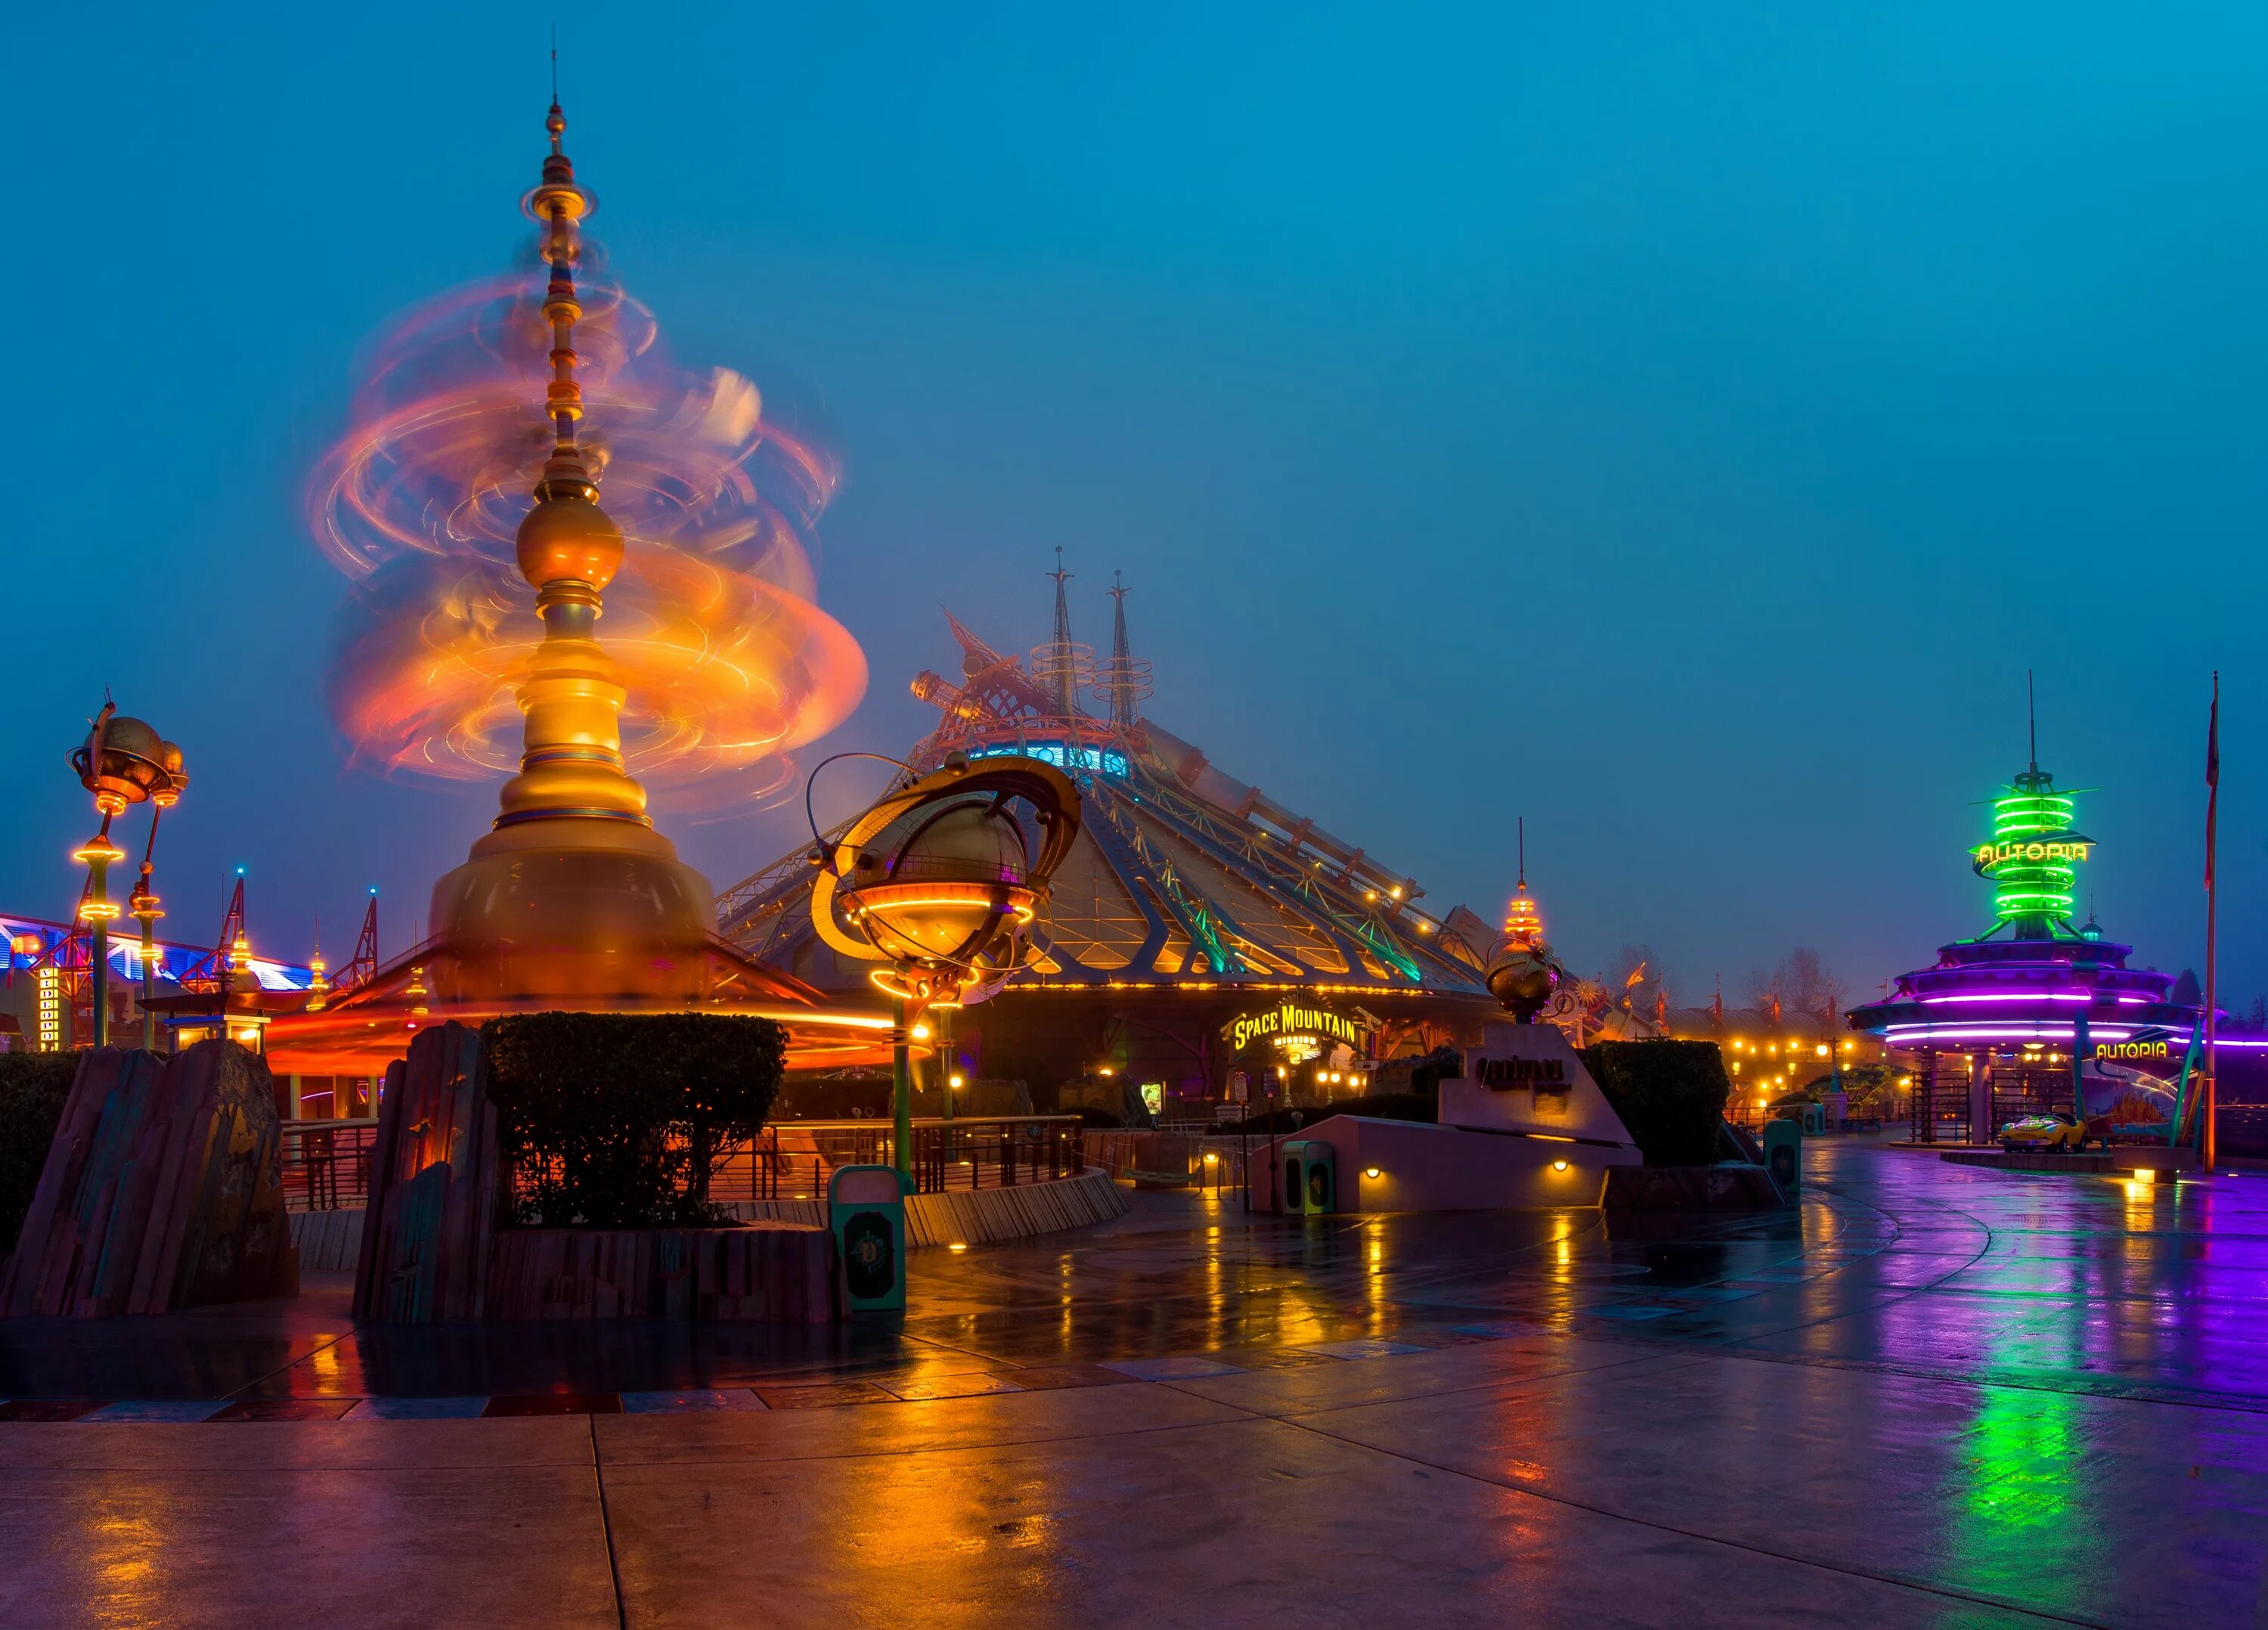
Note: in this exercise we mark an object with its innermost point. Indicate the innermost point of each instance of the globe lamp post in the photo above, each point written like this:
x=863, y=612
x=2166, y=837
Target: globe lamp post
x=939, y=881
x=1523, y=972
x=146, y=910
x=123, y=763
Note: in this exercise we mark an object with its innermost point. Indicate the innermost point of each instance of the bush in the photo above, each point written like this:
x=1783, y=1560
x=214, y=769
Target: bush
x=33, y=1088
x=619, y=1120
x=1670, y=1095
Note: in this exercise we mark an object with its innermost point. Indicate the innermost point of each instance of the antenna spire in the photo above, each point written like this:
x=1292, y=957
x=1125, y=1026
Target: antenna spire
x=555, y=65
x=1063, y=676
x=1523, y=924
x=1125, y=682
x=2032, y=720
x=1062, y=666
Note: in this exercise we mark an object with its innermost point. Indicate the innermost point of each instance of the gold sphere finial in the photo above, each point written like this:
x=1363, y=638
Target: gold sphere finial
x=568, y=538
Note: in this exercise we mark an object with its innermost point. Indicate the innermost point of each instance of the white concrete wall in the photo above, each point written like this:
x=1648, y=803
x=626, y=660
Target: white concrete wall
x=1426, y=1167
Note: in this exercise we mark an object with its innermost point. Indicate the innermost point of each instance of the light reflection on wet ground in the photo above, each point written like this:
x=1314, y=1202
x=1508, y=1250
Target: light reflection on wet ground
x=1932, y=1396
x=1894, y=1260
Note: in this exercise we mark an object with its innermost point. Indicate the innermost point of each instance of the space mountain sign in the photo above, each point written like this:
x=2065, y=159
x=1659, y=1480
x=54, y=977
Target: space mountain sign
x=1293, y=1018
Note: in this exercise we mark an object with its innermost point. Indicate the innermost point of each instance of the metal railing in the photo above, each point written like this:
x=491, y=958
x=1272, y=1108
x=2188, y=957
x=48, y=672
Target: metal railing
x=327, y=1164
x=1209, y=1162
x=793, y=1160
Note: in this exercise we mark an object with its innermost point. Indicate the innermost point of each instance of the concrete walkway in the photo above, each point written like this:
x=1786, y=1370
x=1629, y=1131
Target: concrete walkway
x=1939, y=1396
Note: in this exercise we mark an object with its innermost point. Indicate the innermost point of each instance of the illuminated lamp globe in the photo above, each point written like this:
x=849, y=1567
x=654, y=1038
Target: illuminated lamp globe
x=567, y=537
x=137, y=763
x=959, y=877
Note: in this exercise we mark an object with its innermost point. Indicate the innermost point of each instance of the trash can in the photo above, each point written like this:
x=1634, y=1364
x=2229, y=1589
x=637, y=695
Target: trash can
x=866, y=1207
x=1784, y=1154
x=1310, y=1179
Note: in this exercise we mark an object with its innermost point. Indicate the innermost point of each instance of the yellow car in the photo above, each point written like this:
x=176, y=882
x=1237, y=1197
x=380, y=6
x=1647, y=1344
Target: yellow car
x=2057, y=1131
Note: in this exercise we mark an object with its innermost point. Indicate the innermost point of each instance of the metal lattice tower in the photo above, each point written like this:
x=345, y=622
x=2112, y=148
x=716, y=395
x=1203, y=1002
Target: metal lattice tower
x=1124, y=683
x=1062, y=666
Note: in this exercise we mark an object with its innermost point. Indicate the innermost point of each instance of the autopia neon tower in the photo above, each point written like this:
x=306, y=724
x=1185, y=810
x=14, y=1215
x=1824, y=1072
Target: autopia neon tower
x=2032, y=857
x=1995, y=1023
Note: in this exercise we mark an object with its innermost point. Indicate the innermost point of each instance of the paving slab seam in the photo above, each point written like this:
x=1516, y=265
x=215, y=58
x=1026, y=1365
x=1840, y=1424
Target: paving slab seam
x=607, y=1527
x=1897, y=1580
x=303, y=1358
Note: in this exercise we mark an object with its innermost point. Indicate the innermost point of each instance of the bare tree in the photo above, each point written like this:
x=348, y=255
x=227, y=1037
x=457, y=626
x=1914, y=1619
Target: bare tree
x=1804, y=981
x=1763, y=989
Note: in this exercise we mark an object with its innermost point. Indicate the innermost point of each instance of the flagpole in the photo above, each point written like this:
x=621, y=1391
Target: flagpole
x=2210, y=1097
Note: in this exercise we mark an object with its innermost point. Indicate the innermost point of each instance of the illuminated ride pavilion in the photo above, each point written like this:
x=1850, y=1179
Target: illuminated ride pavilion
x=1196, y=933
x=2037, y=1011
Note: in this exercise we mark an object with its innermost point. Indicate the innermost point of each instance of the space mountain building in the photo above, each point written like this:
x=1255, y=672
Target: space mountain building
x=1201, y=941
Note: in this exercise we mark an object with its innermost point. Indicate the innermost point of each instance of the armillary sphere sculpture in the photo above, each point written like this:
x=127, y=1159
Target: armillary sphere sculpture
x=938, y=881
x=123, y=763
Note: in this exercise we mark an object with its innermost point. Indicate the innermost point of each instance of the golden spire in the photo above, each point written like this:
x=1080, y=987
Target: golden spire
x=569, y=551
x=1523, y=924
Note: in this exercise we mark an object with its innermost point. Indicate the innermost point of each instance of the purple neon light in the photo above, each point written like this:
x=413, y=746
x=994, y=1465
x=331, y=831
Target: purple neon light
x=1899, y=1035
x=1995, y=1033
x=2014, y=996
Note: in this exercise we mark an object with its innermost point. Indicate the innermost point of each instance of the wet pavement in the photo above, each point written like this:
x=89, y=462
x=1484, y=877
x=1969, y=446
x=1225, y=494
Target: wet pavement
x=1935, y=1394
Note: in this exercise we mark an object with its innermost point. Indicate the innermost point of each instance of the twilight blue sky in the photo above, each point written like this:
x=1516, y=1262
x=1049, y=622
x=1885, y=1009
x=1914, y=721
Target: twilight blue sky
x=1681, y=424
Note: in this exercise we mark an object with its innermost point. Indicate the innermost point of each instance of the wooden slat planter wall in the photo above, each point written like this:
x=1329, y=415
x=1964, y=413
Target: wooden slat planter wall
x=327, y=1241
x=982, y=1216
x=433, y=1186
x=162, y=1190
x=773, y=1272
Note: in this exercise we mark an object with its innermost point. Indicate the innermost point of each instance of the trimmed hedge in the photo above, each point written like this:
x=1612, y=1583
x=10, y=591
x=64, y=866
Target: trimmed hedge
x=33, y=1088
x=619, y=1120
x=1670, y=1095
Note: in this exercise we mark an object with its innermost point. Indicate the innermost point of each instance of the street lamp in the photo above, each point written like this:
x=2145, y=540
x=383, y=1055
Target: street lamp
x=939, y=881
x=123, y=763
